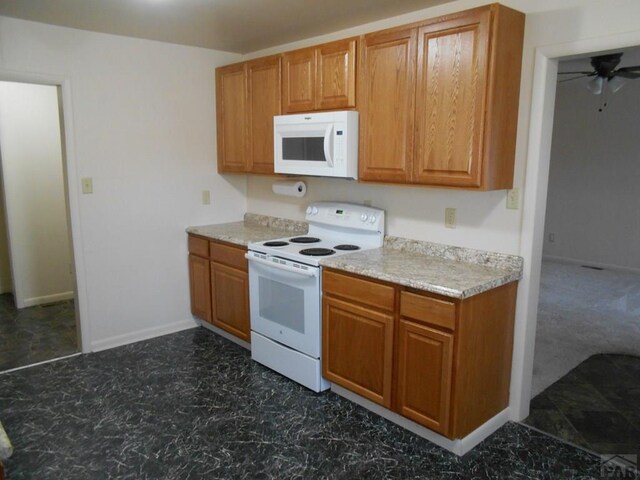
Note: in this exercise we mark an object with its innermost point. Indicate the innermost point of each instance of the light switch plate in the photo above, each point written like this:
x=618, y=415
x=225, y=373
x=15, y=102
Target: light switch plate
x=87, y=185
x=206, y=197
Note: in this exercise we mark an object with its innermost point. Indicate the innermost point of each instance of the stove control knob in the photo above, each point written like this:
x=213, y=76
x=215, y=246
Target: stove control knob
x=372, y=219
x=308, y=210
x=314, y=210
x=364, y=217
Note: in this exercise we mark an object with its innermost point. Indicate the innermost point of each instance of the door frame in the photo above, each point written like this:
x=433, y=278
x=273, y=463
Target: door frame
x=71, y=176
x=535, y=200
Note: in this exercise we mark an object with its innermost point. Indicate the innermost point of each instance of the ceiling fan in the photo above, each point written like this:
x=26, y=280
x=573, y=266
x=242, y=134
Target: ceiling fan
x=606, y=75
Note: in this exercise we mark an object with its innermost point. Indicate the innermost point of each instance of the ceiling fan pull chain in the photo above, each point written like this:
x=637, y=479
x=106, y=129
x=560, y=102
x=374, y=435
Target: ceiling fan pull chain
x=603, y=95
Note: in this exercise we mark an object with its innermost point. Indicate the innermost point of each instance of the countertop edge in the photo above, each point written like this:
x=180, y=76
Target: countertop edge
x=430, y=287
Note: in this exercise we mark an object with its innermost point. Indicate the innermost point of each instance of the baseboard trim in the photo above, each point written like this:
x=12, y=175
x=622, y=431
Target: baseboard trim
x=145, y=334
x=225, y=334
x=57, y=297
x=458, y=446
x=575, y=261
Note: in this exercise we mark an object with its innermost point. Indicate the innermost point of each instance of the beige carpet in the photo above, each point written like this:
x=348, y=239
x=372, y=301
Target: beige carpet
x=583, y=312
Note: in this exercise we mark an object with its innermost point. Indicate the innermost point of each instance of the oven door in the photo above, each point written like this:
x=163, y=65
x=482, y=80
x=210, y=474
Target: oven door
x=284, y=302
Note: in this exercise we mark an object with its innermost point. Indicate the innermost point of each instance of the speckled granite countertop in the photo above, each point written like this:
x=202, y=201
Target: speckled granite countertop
x=254, y=228
x=451, y=271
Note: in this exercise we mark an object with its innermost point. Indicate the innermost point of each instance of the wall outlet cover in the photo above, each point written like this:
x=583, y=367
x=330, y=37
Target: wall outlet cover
x=513, y=198
x=450, y=217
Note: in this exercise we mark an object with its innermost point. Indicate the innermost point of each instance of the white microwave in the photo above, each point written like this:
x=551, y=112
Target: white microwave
x=322, y=144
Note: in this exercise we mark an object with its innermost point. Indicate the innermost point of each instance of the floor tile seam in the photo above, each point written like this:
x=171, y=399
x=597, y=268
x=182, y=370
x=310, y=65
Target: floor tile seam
x=569, y=422
x=613, y=405
x=580, y=447
x=601, y=397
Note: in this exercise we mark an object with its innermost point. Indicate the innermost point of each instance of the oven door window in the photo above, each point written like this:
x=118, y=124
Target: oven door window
x=281, y=303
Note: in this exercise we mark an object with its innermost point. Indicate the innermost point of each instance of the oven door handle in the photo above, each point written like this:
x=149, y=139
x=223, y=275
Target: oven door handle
x=313, y=272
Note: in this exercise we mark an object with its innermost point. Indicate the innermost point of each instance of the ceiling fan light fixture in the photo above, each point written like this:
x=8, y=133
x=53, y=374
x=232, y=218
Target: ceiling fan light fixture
x=616, y=83
x=596, y=85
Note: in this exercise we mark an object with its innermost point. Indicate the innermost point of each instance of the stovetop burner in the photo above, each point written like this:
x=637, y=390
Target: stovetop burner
x=277, y=243
x=347, y=246
x=316, y=252
x=304, y=240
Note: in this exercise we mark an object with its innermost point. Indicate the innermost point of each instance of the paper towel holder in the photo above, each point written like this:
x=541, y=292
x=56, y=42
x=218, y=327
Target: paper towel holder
x=290, y=188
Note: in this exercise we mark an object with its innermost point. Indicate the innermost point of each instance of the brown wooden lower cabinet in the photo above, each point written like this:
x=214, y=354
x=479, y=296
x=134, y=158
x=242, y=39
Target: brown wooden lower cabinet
x=358, y=348
x=219, y=284
x=230, y=300
x=425, y=366
x=441, y=362
x=200, y=285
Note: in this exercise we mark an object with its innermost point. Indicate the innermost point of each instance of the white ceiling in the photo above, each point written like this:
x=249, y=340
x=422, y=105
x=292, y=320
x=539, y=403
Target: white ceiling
x=240, y=26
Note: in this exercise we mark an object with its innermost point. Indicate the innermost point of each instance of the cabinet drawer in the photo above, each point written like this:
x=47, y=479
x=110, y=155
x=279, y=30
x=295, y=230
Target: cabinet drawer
x=428, y=309
x=228, y=255
x=199, y=246
x=362, y=291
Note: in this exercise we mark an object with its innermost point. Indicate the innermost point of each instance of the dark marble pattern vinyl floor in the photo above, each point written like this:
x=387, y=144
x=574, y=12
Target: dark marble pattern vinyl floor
x=193, y=405
x=596, y=405
x=35, y=334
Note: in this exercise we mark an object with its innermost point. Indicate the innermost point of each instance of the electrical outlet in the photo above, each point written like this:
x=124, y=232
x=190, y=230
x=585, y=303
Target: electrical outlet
x=87, y=185
x=552, y=237
x=450, y=217
x=206, y=197
x=513, y=198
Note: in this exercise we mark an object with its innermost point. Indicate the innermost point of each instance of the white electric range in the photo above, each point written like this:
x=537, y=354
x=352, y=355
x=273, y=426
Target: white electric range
x=285, y=283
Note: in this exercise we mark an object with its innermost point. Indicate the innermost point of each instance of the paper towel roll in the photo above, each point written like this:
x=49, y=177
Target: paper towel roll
x=290, y=188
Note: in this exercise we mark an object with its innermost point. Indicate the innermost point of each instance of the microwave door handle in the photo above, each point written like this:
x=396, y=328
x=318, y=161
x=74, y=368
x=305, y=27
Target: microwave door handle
x=328, y=144
x=306, y=273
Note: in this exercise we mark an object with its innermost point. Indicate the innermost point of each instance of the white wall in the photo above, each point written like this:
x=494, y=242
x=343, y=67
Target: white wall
x=5, y=267
x=31, y=149
x=141, y=123
x=593, y=201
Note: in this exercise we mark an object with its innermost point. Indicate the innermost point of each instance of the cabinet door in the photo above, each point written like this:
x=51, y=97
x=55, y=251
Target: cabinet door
x=336, y=69
x=231, y=101
x=357, y=349
x=450, y=100
x=299, y=80
x=230, y=300
x=386, y=95
x=263, y=76
x=425, y=363
x=200, y=286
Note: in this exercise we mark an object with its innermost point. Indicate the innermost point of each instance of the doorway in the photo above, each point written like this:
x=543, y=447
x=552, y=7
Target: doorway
x=586, y=363
x=38, y=319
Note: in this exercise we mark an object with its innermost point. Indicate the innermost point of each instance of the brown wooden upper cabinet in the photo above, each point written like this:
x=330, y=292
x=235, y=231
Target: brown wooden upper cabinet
x=247, y=98
x=438, y=100
x=320, y=78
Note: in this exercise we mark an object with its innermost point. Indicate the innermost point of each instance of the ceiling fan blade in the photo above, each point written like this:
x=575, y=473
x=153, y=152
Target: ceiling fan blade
x=629, y=69
x=576, y=73
x=574, y=78
x=628, y=74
